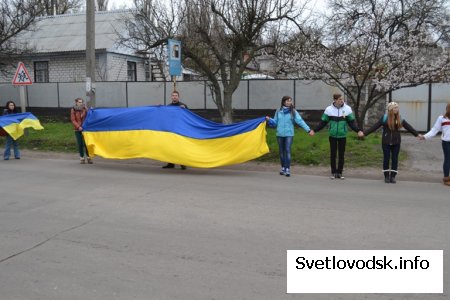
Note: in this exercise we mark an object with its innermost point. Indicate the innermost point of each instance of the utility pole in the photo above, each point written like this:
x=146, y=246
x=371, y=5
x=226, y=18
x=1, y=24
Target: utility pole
x=90, y=52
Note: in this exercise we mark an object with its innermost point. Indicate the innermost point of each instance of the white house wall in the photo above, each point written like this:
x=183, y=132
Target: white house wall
x=118, y=69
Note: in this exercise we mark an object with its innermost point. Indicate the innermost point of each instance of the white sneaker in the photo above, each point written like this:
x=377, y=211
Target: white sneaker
x=282, y=171
x=287, y=172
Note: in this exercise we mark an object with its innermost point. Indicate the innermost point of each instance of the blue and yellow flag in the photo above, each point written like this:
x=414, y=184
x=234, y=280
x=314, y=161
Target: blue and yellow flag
x=14, y=124
x=172, y=134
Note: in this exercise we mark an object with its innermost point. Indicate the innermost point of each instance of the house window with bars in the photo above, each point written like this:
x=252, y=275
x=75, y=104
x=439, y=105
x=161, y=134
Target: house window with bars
x=41, y=71
x=131, y=68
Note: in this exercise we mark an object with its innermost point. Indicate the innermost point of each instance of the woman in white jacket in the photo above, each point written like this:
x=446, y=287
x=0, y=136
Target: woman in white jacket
x=443, y=125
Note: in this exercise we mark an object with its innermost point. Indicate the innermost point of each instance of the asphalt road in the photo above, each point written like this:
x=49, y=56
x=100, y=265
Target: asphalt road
x=136, y=231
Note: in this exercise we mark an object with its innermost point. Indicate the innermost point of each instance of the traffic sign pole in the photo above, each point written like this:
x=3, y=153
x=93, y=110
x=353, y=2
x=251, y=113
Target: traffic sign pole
x=23, y=98
x=22, y=78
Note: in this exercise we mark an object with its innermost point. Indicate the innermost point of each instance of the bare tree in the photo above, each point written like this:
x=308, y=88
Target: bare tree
x=60, y=7
x=16, y=16
x=374, y=47
x=219, y=37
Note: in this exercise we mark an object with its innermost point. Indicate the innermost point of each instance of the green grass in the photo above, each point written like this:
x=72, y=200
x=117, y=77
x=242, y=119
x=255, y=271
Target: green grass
x=56, y=137
x=315, y=150
x=59, y=137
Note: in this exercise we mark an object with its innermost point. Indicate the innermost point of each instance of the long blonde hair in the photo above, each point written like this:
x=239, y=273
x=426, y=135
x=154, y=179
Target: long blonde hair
x=394, y=121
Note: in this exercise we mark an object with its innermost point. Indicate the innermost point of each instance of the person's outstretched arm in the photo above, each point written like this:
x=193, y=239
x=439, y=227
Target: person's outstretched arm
x=408, y=127
x=323, y=122
x=300, y=122
x=374, y=127
x=435, y=130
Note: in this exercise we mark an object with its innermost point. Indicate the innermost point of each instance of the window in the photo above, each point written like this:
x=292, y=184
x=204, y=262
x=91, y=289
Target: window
x=148, y=75
x=131, y=70
x=41, y=71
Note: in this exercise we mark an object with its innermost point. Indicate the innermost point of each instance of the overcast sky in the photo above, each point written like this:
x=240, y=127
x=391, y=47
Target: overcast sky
x=120, y=3
x=129, y=3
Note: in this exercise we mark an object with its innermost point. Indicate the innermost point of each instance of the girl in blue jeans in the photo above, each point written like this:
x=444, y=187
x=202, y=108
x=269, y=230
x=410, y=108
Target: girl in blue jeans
x=11, y=108
x=284, y=120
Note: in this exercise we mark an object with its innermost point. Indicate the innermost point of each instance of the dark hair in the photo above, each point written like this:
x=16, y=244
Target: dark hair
x=291, y=108
x=7, y=107
x=447, y=111
x=284, y=99
x=336, y=96
x=176, y=92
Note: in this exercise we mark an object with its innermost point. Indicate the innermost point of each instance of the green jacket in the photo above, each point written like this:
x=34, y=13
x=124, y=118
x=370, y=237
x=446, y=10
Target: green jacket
x=337, y=118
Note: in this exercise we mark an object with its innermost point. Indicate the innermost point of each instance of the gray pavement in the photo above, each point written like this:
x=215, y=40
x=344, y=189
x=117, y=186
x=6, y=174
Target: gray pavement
x=135, y=231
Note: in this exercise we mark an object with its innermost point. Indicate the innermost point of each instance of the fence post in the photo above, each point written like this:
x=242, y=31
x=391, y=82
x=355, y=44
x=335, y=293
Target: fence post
x=429, y=106
x=126, y=93
x=57, y=94
x=204, y=93
x=248, y=94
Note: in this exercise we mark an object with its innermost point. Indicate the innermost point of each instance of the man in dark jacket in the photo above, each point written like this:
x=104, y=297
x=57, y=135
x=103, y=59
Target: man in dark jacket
x=175, y=97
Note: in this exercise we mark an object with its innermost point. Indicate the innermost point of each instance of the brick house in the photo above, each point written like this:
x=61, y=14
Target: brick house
x=59, y=44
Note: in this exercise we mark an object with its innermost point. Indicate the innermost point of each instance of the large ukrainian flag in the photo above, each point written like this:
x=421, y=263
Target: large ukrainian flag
x=14, y=124
x=172, y=134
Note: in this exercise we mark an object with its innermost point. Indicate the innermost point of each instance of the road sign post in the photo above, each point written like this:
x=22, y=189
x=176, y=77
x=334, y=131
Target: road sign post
x=174, y=51
x=22, y=78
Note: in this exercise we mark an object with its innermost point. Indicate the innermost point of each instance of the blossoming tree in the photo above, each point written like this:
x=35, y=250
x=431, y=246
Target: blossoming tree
x=369, y=48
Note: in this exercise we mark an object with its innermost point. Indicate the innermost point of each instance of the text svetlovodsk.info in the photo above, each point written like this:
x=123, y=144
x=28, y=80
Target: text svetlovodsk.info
x=365, y=271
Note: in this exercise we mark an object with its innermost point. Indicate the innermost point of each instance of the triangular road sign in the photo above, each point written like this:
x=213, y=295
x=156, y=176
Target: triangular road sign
x=22, y=77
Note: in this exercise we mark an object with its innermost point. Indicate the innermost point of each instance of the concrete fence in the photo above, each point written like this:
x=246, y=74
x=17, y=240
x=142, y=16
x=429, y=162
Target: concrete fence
x=419, y=105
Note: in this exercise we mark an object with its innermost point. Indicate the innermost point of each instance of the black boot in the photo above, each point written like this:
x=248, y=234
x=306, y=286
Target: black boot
x=393, y=174
x=386, y=176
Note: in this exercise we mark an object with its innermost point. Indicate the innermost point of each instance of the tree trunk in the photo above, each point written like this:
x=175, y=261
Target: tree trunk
x=227, y=117
x=227, y=113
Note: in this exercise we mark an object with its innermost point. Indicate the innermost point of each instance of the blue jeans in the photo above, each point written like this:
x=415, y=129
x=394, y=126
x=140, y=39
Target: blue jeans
x=284, y=145
x=9, y=141
x=390, y=152
x=446, y=149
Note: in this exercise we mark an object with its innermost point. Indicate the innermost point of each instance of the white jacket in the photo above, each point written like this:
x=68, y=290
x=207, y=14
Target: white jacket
x=442, y=124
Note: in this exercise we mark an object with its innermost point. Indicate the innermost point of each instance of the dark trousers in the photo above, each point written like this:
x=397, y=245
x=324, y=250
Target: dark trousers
x=284, y=145
x=337, y=146
x=81, y=145
x=390, y=152
x=446, y=149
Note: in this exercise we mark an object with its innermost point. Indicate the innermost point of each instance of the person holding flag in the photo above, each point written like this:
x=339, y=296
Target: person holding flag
x=10, y=108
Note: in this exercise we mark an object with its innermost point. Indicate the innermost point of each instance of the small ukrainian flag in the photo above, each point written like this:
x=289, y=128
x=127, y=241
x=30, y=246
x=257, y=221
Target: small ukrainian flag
x=14, y=124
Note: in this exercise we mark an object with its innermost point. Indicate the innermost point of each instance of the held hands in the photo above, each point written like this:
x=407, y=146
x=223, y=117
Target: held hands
x=360, y=134
x=311, y=132
x=267, y=118
x=421, y=137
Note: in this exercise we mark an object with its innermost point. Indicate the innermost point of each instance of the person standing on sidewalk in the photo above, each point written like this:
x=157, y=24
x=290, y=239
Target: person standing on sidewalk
x=391, y=139
x=284, y=120
x=338, y=115
x=10, y=109
x=442, y=124
x=175, y=97
x=77, y=115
